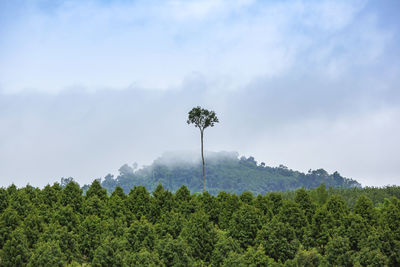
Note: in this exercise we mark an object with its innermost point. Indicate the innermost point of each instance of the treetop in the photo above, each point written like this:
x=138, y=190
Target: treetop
x=202, y=118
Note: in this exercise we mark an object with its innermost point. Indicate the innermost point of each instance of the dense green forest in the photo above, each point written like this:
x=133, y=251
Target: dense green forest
x=225, y=171
x=60, y=225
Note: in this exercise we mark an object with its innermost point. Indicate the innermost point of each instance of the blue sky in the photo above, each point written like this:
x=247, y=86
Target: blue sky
x=86, y=86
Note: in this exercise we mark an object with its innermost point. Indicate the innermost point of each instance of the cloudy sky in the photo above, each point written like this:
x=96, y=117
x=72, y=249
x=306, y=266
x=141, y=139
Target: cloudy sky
x=86, y=86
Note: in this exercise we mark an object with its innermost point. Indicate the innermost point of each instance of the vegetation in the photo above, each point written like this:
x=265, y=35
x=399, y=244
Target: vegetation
x=59, y=225
x=202, y=119
x=225, y=172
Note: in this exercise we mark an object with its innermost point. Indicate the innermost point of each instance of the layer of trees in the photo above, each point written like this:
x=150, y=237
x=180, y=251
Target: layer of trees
x=59, y=225
x=225, y=172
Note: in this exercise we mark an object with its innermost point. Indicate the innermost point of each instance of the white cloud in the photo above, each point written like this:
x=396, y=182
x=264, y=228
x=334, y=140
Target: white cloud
x=143, y=43
x=330, y=16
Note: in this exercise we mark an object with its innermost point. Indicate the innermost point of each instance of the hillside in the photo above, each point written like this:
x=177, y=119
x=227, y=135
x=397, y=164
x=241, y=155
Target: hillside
x=225, y=171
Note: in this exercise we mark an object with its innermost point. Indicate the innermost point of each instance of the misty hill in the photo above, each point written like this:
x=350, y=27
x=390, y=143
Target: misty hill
x=225, y=171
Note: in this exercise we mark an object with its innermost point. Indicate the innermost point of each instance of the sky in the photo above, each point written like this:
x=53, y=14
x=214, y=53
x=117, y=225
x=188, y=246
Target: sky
x=86, y=86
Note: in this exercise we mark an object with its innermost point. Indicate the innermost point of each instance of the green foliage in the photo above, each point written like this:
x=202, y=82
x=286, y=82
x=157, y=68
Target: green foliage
x=21, y=203
x=365, y=209
x=200, y=235
x=255, y=257
x=15, y=251
x=391, y=216
x=263, y=204
x=66, y=216
x=303, y=198
x=293, y=215
x=355, y=228
x=321, y=195
x=72, y=195
x=321, y=229
x=228, y=204
x=59, y=226
x=90, y=235
x=247, y=197
x=244, y=225
x=208, y=204
x=95, y=189
x=373, y=258
x=3, y=199
x=202, y=118
x=224, y=245
x=142, y=258
x=51, y=195
x=9, y=220
x=33, y=226
x=110, y=252
x=338, y=251
x=279, y=240
x=163, y=202
x=138, y=203
x=67, y=240
x=94, y=206
x=47, y=254
x=183, y=201
x=115, y=207
x=336, y=207
x=306, y=258
x=174, y=252
x=170, y=223
x=140, y=235
x=276, y=201
x=234, y=259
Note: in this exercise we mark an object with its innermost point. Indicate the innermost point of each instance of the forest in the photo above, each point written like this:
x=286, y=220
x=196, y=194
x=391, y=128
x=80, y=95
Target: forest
x=225, y=171
x=61, y=225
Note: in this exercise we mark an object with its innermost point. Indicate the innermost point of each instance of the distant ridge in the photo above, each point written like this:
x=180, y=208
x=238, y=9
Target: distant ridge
x=225, y=171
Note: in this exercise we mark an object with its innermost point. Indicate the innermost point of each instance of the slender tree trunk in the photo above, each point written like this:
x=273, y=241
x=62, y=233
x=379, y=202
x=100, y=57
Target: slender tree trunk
x=202, y=160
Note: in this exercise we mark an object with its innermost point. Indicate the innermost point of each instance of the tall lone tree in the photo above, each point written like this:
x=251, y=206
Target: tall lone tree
x=202, y=118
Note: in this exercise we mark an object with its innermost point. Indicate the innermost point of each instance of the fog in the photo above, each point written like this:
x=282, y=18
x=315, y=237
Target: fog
x=88, y=135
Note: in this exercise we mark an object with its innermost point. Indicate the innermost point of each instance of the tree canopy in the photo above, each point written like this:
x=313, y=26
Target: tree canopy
x=202, y=118
x=62, y=226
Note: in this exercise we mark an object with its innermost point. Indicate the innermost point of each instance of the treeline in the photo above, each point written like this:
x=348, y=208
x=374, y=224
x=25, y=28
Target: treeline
x=225, y=172
x=58, y=226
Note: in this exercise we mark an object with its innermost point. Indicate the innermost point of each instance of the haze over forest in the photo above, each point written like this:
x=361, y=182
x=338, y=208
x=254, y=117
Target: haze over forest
x=225, y=172
x=87, y=87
